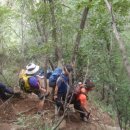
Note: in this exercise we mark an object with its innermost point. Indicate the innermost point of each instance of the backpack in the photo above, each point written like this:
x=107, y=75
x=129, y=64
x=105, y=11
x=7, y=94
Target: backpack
x=89, y=84
x=24, y=82
x=74, y=92
x=49, y=73
x=76, y=89
x=54, y=76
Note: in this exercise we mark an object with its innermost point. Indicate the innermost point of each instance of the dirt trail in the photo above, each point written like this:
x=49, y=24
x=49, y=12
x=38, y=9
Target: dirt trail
x=20, y=114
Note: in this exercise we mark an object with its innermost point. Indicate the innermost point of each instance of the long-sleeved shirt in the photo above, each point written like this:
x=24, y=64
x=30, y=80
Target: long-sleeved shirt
x=5, y=90
x=62, y=84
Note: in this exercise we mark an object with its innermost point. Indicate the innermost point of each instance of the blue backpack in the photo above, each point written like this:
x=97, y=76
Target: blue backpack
x=54, y=76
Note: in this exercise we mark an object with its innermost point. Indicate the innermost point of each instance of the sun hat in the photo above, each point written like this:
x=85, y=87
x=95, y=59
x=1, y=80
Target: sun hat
x=32, y=69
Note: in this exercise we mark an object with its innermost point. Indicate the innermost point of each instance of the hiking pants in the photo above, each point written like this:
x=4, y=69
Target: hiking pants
x=60, y=100
x=77, y=106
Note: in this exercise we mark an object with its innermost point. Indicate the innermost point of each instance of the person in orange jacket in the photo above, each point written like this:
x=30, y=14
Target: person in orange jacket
x=81, y=100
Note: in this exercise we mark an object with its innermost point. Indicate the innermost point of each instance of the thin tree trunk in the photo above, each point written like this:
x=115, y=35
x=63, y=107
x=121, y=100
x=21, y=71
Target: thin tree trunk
x=54, y=32
x=51, y=64
x=22, y=28
x=119, y=39
x=108, y=98
x=58, y=53
x=117, y=111
x=78, y=37
x=43, y=28
x=39, y=29
x=79, y=34
x=45, y=70
x=103, y=92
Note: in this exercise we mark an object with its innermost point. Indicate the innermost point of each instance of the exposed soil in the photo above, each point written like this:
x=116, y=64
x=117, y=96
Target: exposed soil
x=14, y=109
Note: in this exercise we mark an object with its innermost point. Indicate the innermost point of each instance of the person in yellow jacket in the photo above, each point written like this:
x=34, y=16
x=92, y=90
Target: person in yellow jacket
x=31, y=81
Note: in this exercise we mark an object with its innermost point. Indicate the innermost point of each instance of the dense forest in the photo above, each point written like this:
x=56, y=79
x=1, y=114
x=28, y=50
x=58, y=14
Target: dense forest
x=92, y=35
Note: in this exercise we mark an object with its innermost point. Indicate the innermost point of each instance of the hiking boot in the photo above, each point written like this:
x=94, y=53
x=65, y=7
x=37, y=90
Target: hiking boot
x=88, y=115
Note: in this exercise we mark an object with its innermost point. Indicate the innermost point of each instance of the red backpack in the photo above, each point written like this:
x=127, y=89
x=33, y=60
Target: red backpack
x=77, y=88
x=88, y=85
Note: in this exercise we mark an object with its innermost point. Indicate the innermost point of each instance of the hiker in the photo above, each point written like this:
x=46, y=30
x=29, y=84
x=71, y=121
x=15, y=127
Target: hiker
x=5, y=92
x=32, y=80
x=62, y=86
x=52, y=80
x=80, y=99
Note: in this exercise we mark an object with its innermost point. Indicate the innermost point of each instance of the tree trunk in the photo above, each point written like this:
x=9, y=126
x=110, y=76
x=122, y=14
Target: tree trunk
x=103, y=92
x=40, y=27
x=22, y=29
x=45, y=70
x=119, y=39
x=78, y=37
x=39, y=30
x=54, y=34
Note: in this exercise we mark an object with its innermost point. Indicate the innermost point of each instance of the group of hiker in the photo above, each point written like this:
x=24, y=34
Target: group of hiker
x=55, y=83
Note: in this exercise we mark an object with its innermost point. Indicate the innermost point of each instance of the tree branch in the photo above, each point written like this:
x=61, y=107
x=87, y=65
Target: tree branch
x=119, y=39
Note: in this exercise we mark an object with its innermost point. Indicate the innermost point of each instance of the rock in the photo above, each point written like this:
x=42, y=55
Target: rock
x=62, y=125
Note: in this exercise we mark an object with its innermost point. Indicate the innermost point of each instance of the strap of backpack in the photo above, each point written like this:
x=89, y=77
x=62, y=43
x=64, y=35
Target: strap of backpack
x=60, y=77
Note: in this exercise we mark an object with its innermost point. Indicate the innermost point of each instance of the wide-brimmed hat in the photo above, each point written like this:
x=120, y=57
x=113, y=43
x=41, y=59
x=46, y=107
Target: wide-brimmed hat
x=32, y=69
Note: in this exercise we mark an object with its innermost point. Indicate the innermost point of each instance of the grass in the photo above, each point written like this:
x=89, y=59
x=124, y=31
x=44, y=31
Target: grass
x=102, y=106
x=34, y=122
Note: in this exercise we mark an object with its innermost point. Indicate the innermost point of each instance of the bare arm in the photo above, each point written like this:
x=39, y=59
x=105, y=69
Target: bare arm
x=41, y=86
x=56, y=90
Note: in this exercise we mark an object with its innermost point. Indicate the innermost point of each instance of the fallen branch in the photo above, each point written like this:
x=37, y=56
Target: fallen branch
x=26, y=111
x=7, y=101
x=59, y=122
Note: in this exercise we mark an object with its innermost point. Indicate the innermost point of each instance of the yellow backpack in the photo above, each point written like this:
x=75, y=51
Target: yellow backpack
x=23, y=81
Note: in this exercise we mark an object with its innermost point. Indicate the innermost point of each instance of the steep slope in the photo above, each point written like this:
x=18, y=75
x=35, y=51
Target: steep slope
x=21, y=114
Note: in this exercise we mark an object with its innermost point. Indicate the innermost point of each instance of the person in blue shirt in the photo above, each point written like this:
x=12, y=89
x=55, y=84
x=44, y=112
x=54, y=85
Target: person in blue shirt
x=5, y=92
x=62, y=86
